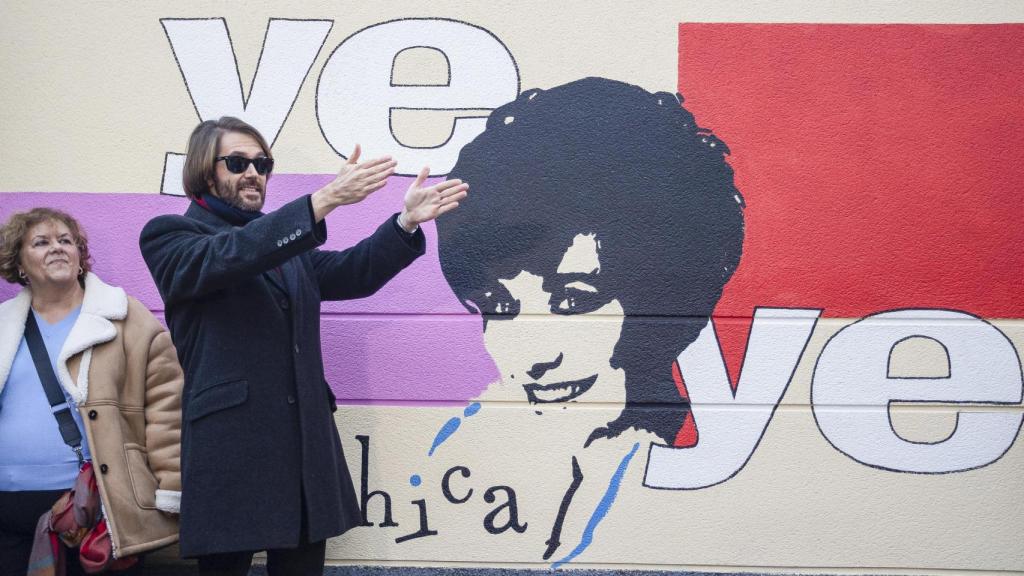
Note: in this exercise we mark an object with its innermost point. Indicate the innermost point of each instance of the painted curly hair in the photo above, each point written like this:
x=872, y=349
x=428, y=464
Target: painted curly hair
x=633, y=167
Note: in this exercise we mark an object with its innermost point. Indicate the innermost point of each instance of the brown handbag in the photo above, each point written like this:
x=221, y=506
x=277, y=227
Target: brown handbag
x=77, y=510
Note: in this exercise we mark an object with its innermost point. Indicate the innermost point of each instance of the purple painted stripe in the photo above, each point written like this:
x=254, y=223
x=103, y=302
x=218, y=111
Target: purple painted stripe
x=412, y=341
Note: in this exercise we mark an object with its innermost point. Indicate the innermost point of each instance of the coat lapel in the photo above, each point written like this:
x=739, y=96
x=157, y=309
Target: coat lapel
x=276, y=277
x=102, y=304
x=197, y=212
x=290, y=271
x=12, y=326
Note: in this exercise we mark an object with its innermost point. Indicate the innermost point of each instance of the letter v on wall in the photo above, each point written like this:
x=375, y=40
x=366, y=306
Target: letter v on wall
x=732, y=423
x=206, y=57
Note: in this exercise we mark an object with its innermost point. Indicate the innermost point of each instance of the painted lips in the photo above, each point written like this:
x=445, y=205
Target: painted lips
x=558, y=392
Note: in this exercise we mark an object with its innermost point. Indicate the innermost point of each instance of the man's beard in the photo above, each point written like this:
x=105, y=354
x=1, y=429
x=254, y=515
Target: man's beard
x=233, y=196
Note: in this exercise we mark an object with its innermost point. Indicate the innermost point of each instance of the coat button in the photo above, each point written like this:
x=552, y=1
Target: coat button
x=92, y=414
x=291, y=399
x=296, y=348
x=283, y=304
x=103, y=468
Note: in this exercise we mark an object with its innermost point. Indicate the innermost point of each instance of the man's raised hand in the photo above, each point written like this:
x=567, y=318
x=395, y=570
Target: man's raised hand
x=424, y=203
x=353, y=183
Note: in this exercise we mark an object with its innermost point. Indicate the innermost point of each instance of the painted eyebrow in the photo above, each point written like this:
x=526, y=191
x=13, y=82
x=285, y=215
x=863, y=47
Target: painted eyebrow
x=585, y=278
x=580, y=285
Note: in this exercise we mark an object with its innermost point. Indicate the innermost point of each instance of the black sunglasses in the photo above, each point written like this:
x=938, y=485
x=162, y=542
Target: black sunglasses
x=239, y=164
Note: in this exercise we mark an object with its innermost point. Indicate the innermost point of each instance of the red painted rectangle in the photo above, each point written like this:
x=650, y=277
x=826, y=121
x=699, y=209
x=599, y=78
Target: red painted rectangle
x=882, y=165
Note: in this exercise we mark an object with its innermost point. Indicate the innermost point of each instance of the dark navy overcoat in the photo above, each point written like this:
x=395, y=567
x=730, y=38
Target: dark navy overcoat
x=243, y=308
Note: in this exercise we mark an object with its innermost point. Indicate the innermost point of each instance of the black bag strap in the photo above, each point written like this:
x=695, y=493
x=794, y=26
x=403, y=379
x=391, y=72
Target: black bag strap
x=54, y=394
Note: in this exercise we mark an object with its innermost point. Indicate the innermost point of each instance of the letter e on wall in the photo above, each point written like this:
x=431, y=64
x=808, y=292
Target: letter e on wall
x=356, y=95
x=852, y=391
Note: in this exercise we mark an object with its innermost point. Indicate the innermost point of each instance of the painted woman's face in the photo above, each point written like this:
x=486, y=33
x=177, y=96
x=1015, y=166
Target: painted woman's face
x=553, y=338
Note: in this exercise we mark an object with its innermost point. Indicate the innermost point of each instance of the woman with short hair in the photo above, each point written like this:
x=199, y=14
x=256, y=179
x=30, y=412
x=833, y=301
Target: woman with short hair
x=119, y=376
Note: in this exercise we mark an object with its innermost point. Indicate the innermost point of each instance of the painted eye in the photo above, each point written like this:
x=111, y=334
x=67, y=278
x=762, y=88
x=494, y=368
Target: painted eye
x=576, y=301
x=505, y=307
x=498, y=304
x=567, y=304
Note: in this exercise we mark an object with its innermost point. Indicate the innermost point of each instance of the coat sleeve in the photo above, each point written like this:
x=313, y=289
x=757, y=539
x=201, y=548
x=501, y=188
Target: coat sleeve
x=164, y=382
x=187, y=261
x=363, y=269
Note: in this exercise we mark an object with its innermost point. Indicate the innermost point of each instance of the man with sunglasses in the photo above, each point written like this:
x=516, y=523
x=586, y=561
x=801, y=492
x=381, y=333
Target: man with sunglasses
x=262, y=465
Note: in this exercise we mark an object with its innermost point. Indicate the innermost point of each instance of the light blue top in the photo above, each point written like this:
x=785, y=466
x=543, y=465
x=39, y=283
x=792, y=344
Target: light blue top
x=33, y=456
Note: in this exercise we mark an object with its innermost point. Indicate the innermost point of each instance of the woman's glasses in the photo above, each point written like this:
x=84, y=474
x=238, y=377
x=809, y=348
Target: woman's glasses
x=239, y=164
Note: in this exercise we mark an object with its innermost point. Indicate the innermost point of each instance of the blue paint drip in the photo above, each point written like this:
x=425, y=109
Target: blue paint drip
x=444, y=433
x=601, y=511
x=471, y=409
x=415, y=480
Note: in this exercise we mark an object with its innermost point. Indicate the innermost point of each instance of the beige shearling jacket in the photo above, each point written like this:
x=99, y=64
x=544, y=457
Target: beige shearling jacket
x=120, y=368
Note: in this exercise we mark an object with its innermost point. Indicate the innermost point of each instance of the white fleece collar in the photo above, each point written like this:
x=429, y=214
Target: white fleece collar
x=102, y=304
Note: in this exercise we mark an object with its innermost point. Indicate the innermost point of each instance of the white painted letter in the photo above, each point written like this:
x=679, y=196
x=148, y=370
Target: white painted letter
x=203, y=50
x=852, y=390
x=731, y=424
x=355, y=95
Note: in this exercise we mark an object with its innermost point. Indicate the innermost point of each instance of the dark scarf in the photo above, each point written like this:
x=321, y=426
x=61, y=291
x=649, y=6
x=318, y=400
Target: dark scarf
x=233, y=214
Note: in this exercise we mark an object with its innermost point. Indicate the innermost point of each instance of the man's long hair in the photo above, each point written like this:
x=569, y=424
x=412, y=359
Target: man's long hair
x=200, y=166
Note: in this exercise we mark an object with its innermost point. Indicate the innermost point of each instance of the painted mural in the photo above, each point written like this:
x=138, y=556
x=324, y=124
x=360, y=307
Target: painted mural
x=758, y=310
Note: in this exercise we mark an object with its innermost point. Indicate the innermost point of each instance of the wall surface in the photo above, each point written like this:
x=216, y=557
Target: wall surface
x=548, y=386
